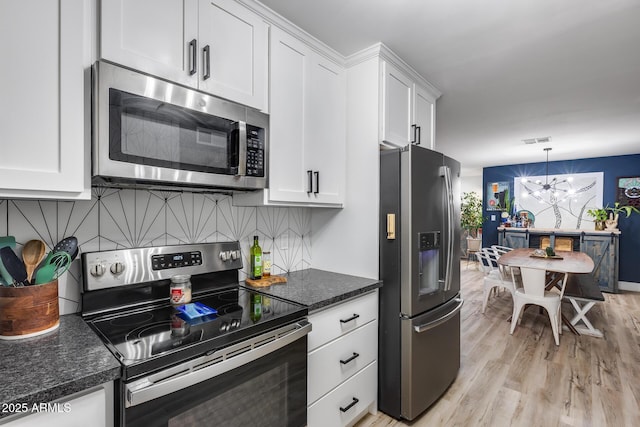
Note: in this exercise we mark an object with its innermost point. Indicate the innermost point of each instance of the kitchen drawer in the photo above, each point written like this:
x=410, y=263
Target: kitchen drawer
x=333, y=322
x=359, y=390
x=326, y=368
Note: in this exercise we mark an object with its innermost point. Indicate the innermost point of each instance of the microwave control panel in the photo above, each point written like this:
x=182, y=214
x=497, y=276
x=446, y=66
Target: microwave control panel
x=255, y=151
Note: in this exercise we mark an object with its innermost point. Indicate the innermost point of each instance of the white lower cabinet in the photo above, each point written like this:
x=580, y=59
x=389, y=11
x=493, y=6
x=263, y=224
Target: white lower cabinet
x=348, y=402
x=342, y=379
x=89, y=408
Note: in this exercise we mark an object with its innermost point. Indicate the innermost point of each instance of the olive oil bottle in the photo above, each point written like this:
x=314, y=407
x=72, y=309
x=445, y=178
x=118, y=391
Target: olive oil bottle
x=255, y=255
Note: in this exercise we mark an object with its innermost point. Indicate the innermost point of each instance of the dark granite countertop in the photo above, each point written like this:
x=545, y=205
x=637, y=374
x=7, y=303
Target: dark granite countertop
x=54, y=365
x=318, y=288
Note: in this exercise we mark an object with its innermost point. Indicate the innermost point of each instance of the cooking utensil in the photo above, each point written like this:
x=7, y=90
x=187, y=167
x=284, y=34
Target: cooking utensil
x=6, y=277
x=56, y=264
x=68, y=245
x=33, y=252
x=9, y=241
x=6, y=241
x=13, y=266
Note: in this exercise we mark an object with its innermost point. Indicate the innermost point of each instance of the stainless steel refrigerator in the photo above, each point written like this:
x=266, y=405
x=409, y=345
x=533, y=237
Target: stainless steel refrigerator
x=419, y=331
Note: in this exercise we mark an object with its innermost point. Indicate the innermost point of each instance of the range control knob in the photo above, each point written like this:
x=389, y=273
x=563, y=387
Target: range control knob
x=97, y=270
x=116, y=268
x=235, y=255
x=224, y=255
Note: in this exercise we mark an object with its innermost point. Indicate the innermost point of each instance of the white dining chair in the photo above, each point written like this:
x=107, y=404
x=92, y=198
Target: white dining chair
x=531, y=290
x=494, y=275
x=501, y=249
x=473, y=246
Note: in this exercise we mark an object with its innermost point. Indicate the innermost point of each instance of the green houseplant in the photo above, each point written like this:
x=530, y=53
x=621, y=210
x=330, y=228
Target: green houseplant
x=607, y=217
x=471, y=215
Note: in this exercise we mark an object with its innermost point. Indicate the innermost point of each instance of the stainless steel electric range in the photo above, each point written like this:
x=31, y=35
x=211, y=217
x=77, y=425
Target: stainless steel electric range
x=239, y=359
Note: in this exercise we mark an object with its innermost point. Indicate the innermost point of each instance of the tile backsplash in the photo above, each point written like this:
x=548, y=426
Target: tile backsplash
x=128, y=218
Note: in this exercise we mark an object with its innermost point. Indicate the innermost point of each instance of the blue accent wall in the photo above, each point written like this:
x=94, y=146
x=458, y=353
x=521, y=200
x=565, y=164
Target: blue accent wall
x=613, y=168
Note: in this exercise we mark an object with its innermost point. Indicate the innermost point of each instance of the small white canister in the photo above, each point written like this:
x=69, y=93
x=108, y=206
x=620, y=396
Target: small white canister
x=180, y=289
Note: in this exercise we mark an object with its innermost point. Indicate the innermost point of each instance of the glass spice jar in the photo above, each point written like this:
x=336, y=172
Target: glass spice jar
x=180, y=289
x=266, y=264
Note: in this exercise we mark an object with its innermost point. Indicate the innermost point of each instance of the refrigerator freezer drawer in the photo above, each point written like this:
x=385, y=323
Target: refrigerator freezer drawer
x=430, y=356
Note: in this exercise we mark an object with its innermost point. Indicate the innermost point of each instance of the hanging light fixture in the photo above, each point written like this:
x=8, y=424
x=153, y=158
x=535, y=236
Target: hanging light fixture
x=548, y=186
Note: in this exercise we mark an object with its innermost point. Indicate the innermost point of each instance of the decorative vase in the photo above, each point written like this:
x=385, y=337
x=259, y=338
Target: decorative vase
x=599, y=225
x=612, y=222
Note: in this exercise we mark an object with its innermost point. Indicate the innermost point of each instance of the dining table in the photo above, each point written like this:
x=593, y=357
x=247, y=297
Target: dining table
x=544, y=268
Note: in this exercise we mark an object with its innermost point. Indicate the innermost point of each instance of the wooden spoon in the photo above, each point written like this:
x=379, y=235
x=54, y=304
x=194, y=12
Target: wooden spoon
x=32, y=253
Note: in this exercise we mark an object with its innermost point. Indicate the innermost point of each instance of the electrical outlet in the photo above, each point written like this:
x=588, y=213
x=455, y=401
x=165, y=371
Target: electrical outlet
x=493, y=217
x=283, y=244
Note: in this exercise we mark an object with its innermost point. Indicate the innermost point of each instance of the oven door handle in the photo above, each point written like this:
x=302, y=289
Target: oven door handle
x=213, y=365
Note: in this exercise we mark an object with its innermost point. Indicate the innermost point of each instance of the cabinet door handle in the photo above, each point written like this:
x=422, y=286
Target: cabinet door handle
x=354, y=317
x=206, y=62
x=193, y=57
x=310, y=177
x=350, y=405
x=317, y=174
x=355, y=355
x=419, y=138
x=414, y=128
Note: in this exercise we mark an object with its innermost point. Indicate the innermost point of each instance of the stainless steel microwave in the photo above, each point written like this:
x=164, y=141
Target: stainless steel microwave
x=150, y=132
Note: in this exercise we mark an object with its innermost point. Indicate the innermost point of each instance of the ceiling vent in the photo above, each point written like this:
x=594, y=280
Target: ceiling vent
x=542, y=140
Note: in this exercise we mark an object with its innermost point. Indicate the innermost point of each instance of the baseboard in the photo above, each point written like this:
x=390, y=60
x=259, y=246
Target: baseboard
x=629, y=286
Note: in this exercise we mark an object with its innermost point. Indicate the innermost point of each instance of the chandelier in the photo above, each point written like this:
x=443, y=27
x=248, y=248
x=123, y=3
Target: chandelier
x=557, y=192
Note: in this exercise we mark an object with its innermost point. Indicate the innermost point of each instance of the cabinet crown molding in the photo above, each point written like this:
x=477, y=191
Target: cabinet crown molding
x=380, y=50
x=272, y=18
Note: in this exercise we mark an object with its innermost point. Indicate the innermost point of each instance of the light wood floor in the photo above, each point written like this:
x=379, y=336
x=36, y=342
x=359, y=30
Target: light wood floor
x=525, y=380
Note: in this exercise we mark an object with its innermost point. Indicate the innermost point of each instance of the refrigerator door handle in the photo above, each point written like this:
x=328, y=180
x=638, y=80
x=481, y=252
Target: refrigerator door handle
x=427, y=326
x=446, y=172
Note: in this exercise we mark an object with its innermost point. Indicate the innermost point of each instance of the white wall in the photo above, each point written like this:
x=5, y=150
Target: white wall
x=346, y=240
x=471, y=183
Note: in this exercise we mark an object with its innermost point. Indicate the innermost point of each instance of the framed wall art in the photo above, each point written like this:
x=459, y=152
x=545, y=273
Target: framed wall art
x=560, y=201
x=628, y=192
x=497, y=195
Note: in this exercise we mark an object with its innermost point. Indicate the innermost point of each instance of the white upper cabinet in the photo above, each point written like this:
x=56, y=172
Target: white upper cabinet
x=44, y=84
x=408, y=109
x=235, y=66
x=307, y=139
x=326, y=131
x=397, y=99
x=219, y=47
x=424, y=117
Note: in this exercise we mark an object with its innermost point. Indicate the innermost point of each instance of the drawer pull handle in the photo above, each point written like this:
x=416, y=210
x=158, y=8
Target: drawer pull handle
x=350, y=405
x=344, y=362
x=354, y=317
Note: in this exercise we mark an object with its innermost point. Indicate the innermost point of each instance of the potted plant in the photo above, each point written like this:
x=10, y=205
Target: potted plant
x=471, y=215
x=607, y=217
x=599, y=217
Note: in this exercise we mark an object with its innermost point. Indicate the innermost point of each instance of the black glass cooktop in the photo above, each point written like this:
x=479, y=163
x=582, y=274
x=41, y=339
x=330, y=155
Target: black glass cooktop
x=162, y=335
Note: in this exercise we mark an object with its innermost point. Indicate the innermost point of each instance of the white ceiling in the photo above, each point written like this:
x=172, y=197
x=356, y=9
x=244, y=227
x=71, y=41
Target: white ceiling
x=508, y=69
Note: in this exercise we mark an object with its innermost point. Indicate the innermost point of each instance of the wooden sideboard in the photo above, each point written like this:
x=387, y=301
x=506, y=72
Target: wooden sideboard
x=601, y=246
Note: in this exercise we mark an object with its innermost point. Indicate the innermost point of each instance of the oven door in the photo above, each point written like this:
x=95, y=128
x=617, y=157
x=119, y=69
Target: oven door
x=261, y=381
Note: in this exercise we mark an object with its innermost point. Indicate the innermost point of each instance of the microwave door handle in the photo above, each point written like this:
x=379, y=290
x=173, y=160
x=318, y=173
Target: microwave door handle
x=242, y=149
